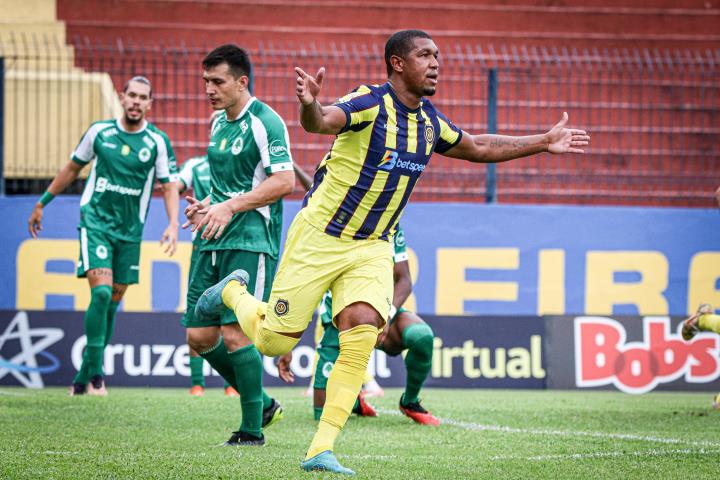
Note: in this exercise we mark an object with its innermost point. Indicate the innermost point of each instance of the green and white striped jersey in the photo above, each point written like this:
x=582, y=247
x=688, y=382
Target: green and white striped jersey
x=242, y=153
x=195, y=174
x=117, y=192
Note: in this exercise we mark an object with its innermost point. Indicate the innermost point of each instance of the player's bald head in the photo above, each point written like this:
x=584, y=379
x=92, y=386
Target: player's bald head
x=400, y=44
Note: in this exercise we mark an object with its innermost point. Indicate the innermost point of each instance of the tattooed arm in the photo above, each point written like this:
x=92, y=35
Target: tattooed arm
x=489, y=148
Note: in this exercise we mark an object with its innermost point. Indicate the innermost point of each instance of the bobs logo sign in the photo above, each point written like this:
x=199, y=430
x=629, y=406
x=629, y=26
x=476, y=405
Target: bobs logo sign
x=604, y=357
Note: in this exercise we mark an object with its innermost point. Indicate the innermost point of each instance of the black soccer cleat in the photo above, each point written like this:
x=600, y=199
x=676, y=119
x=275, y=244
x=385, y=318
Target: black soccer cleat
x=272, y=414
x=78, y=389
x=242, y=439
x=96, y=386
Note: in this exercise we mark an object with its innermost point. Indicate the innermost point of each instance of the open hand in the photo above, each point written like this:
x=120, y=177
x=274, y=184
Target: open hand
x=283, y=366
x=35, y=220
x=566, y=140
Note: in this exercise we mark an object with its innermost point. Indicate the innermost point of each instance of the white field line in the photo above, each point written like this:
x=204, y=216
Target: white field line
x=582, y=456
x=566, y=433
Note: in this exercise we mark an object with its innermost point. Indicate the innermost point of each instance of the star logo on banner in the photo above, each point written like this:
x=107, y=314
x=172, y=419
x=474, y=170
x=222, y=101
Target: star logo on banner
x=24, y=366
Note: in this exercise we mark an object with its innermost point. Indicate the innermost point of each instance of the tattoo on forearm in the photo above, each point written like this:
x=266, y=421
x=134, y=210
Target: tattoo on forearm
x=508, y=146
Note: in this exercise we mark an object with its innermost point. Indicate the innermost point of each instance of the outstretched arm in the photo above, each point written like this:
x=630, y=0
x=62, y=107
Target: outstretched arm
x=489, y=148
x=314, y=117
x=65, y=177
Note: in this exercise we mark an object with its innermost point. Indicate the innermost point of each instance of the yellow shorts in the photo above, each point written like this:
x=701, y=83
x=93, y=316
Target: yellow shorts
x=313, y=262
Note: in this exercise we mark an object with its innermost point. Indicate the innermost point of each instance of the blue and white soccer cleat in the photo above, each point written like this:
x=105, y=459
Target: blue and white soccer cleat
x=210, y=304
x=325, y=462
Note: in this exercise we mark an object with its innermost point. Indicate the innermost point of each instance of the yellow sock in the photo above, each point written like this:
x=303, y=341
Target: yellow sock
x=709, y=322
x=248, y=309
x=272, y=344
x=343, y=386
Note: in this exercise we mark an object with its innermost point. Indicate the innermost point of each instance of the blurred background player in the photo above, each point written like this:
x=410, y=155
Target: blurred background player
x=250, y=171
x=703, y=320
x=129, y=153
x=195, y=175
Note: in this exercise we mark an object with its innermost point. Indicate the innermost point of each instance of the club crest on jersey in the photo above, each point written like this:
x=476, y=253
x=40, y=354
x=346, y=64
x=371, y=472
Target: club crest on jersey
x=388, y=161
x=237, y=146
x=282, y=307
x=144, y=154
x=429, y=134
x=125, y=150
x=101, y=252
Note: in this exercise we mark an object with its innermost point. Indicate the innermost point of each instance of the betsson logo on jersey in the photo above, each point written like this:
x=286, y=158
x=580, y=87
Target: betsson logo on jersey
x=604, y=357
x=102, y=185
x=391, y=160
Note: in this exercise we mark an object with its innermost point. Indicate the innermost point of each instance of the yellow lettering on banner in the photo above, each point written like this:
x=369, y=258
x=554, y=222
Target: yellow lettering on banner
x=452, y=290
x=602, y=292
x=702, y=277
x=34, y=283
x=139, y=297
x=551, y=282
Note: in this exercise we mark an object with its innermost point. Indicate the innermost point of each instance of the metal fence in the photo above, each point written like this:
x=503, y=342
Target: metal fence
x=654, y=116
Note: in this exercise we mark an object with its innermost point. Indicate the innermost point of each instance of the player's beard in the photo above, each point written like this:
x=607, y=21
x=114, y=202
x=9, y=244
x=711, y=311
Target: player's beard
x=429, y=91
x=133, y=121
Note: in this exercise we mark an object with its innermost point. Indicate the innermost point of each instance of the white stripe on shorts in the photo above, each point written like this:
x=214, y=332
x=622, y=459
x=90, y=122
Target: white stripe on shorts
x=260, y=278
x=84, y=249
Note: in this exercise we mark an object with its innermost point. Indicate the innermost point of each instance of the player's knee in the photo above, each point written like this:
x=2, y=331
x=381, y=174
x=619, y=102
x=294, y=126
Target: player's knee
x=419, y=338
x=101, y=295
x=272, y=344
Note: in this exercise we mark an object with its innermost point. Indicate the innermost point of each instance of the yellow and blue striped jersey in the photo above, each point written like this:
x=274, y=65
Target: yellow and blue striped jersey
x=364, y=182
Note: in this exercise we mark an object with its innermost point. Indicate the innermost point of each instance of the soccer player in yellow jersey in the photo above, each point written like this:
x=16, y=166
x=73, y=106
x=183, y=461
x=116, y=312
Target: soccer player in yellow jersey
x=340, y=239
x=703, y=320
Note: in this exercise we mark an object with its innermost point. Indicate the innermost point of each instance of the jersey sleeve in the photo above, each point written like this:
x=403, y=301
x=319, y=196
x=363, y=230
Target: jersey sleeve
x=360, y=107
x=165, y=164
x=401, y=253
x=186, y=174
x=449, y=136
x=273, y=142
x=84, y=153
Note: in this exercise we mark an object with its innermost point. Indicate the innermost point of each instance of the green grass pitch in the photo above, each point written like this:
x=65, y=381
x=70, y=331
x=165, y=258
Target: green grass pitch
x=165, y=433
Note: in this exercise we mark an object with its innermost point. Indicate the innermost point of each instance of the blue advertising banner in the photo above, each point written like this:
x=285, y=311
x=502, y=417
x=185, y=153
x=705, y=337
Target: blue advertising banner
x=44, y=348
x=465, y=259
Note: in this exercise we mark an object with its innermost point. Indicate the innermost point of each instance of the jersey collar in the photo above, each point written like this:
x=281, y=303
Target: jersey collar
x=245, y=109
x=118, y=123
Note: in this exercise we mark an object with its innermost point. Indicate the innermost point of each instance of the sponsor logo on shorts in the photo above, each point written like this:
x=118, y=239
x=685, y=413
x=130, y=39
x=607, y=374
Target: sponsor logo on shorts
x=101, y=252
x=282, y=307
x=277, y=150
x=144, y=154
x=237, y=146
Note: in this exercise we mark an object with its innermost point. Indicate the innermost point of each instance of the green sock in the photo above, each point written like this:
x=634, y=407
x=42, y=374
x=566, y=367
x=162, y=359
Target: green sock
x=83, y=374
x=709, y=322
x=95, y=330
x=248, y=368
x=318, y=413
x=219, y=358
x=196, y=372
x=418, y=338
x=110, y=331
x=267, y=399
